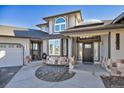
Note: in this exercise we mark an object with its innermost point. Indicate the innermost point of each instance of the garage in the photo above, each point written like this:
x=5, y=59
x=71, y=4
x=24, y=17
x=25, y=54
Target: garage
x=11, y=54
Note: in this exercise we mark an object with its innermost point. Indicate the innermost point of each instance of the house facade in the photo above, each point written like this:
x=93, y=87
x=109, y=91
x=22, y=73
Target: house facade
x=65, y=35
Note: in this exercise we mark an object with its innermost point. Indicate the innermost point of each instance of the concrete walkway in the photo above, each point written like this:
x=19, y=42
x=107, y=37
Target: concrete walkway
x=25, y=78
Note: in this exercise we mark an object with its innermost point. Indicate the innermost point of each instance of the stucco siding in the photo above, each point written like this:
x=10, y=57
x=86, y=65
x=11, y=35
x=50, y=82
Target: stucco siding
x=72, y=21
x=45, y=46
x=104, y=46
x=117, y=54
x=50, y=26
x=9, y=31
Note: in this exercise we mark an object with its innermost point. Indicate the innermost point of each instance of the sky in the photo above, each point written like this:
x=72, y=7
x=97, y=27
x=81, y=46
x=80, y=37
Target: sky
x=31, y=15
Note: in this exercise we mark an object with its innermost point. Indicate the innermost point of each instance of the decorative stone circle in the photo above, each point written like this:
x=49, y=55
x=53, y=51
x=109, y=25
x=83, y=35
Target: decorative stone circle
x=54, y=73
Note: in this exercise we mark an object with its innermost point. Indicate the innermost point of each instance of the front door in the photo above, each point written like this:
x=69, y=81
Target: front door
x=88, y=53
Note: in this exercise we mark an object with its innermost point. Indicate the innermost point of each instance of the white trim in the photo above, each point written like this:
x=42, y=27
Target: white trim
x=54, y=48
x=59, y=24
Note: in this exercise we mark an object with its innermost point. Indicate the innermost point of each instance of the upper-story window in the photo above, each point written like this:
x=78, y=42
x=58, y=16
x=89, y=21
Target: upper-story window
x=60, y=24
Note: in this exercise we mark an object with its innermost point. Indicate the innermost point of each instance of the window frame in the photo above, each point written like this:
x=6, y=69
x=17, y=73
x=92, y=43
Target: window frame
x=59, y=24
x=53, y=54
x=117, y=41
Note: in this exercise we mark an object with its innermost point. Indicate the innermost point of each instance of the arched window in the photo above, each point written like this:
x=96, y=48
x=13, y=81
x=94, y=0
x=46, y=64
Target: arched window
x=60, y=24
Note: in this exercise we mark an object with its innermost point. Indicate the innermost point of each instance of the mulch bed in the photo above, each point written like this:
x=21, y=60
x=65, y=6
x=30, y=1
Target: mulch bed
x=6, y=74
x=53, y=73
x=113, y=81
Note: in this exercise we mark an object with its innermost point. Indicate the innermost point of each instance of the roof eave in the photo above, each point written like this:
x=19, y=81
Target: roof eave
x=38, y=25
x=46, y=18
x=91, y=29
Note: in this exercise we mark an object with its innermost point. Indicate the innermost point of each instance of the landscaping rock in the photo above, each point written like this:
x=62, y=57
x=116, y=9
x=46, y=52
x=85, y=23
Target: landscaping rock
x=113, y=81
x=53, y=73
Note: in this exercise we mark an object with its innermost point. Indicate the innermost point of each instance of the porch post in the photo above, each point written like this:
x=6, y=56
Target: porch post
x=61, y=47
x=74, y=47
x=69, y=47
x=109, y=45
x=45, y=46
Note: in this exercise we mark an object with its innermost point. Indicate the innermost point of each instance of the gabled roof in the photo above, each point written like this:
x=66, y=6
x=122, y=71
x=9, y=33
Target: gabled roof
x=107, y=24
x=86, y=25
x=91, y=29
x=118, y=18
x=72, y=12
x=92, y=25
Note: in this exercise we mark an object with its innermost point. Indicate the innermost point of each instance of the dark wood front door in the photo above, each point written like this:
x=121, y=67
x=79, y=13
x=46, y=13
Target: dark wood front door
x=88, y=53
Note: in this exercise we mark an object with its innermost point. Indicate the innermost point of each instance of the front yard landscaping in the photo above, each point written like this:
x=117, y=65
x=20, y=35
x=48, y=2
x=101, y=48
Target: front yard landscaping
x=6, y=74
x=113, y=81
x=54, y=73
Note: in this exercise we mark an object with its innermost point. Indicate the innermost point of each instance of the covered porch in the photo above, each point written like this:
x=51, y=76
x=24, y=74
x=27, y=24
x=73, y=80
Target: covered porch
x=89, y=47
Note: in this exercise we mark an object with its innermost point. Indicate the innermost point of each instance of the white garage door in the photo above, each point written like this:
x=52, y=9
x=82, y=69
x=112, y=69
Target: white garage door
x=11, y=55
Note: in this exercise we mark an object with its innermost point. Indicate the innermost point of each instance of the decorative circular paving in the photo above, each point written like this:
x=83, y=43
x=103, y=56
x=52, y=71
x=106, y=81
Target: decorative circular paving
x=53, y=73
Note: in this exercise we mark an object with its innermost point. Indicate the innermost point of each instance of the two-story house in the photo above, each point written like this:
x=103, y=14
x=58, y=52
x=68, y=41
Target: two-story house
x=57, y=44
x=65, y=34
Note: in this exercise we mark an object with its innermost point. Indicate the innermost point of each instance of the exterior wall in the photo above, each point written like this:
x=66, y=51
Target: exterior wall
x=117, y=54
x=44, y=28
x=77, y=23
x=9, y=31
x=104, y=47
x=24, y=42
x=72, y=21
x=45, y=46
x=50, y=26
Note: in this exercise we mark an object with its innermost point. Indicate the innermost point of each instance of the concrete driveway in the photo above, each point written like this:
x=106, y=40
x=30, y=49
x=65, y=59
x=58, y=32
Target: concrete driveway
x=6, y=74
x=25, y=78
